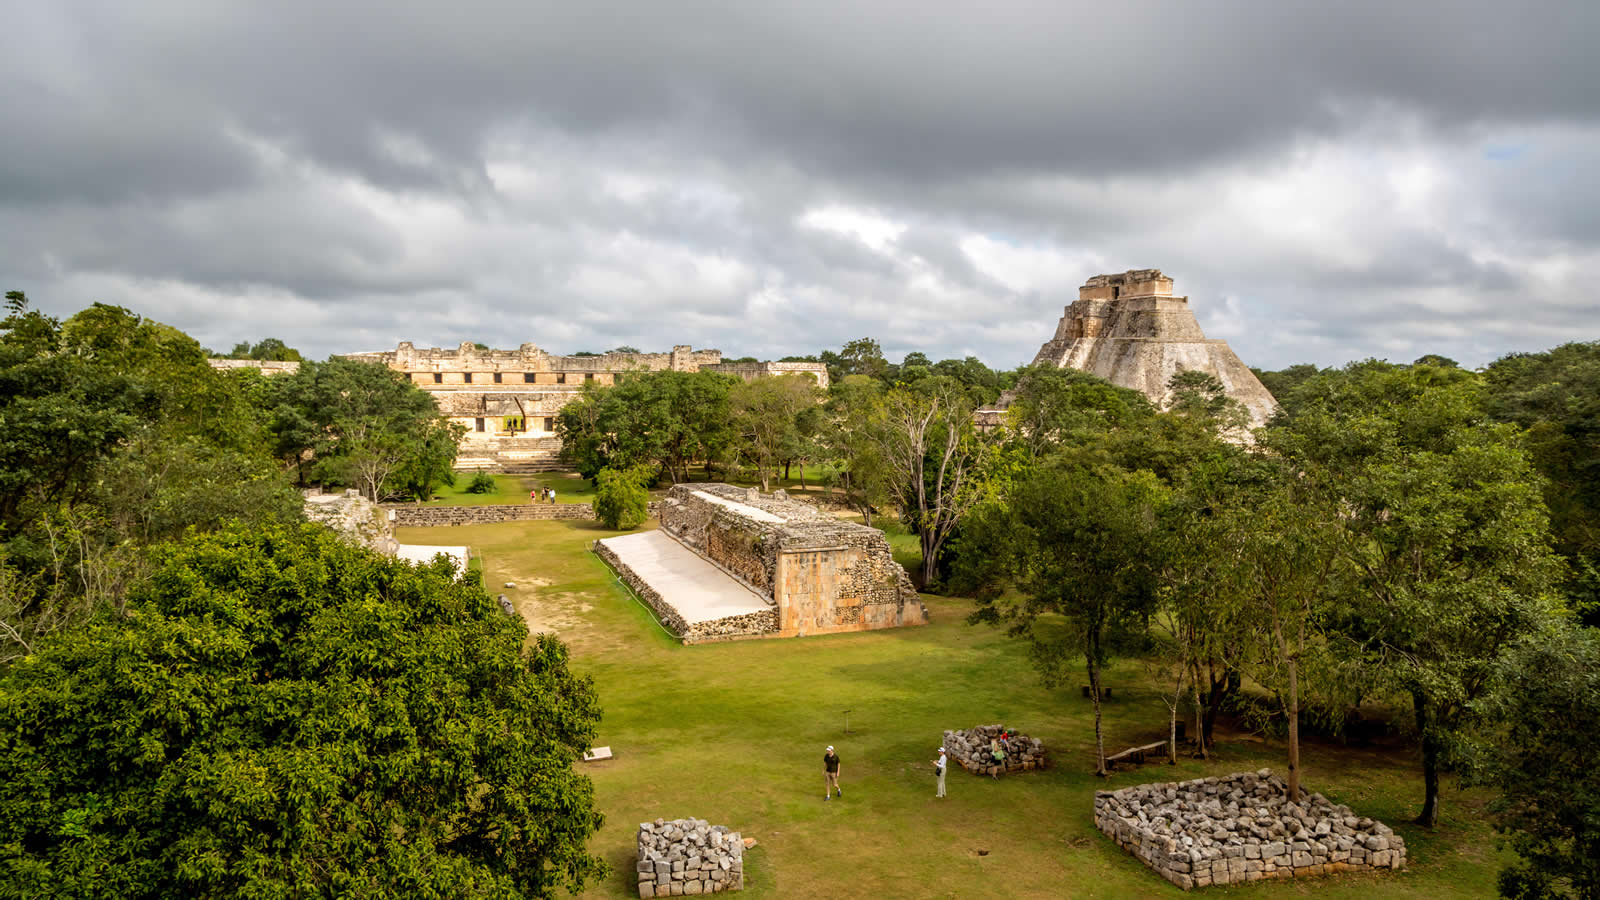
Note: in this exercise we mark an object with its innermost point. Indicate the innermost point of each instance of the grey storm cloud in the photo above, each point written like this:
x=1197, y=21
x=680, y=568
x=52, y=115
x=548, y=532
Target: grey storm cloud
x=1326, y=182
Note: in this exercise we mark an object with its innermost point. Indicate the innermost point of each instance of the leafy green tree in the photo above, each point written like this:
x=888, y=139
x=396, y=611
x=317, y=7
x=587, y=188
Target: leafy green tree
x=117, y=434
x=1280, y=543
x=290, y=715
x=983, y=384
x=621, y=499
x=1281, y=383
x=849, y=444
x=671, y=419
x=1056, y=407
x=430, y=462
x=1546, y=764
x=1201, y=398
x=1555, y=396
x=1445, y=534
x=764, y=413
x=862, y=356
x=364, y=424
x=935, y=458
x=270, y=349
x=1069, y=563
x=62, y=413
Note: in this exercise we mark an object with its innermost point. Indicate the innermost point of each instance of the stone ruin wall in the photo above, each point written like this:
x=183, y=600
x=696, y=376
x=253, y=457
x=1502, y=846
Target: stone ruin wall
x=751, y=371
x=1242, y=827
x=264, y=366
x=354, y=517
x=740, y=551
x=843, y=579
x=824, y=575
x=971, y=750
x=476, y=387
x=407, y=515
x=684, y=857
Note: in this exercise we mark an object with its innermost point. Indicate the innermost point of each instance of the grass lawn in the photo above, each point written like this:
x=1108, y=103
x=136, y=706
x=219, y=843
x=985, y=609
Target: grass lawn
x=735, y=732
x=512, y=489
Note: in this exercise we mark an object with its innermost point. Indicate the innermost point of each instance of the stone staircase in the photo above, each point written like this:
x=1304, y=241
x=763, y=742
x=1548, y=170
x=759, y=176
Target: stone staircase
x=514, y=456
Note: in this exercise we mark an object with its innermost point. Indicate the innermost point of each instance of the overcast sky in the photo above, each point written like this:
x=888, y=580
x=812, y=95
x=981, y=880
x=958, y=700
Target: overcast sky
x=1325, y=182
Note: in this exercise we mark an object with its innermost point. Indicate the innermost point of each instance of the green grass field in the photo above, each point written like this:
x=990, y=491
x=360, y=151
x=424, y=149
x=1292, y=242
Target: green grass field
x=734, y=733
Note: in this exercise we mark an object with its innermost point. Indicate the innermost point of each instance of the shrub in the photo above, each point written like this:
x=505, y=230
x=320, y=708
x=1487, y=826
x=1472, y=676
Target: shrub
x=620, y=499
x=483, y=483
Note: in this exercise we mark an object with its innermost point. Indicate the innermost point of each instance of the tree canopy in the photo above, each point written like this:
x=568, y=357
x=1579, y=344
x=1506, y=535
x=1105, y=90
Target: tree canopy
x=288, y=715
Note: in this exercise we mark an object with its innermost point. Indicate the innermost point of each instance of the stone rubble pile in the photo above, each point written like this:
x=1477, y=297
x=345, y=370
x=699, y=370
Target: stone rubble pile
x=688, y=856
x=973, y=750
x=1242, y=827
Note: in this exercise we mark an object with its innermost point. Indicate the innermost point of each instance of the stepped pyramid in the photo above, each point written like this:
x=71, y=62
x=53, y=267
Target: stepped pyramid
x=1131, y=331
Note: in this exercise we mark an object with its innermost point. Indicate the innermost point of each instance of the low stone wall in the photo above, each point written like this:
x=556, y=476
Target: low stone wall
x=1242, y=827
x=747, y=625
x=408, y=516
x=973, y=750
x=688, y=856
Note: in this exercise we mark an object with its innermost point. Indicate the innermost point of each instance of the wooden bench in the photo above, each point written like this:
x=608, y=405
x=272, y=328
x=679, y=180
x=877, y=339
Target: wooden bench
x=1136, y=755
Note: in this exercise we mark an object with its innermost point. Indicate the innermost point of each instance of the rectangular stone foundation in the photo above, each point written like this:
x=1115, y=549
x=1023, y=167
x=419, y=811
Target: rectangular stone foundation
x=1239, y=828
x=823, y=575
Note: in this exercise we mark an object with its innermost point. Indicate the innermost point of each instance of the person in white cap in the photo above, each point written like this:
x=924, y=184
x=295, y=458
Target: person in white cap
x=830, y=773
x=938, y=766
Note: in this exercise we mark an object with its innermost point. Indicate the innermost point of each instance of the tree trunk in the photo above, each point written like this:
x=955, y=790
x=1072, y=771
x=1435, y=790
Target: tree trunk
x=1430, y=763
x=1217, y=692
x=802, y=475
x=1294, y=730
x=1172, y=731
x=930, y=557
x=1199, y=716
x=1291, y=707
x=786, y=470
x=1092, y=657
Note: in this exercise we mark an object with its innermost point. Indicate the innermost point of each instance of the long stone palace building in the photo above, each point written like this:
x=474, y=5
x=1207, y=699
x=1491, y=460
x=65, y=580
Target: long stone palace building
x=1129, y=329
x=508, y=399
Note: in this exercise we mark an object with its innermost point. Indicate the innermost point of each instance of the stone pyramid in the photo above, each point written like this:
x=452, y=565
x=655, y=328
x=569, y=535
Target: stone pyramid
x=1131, y=331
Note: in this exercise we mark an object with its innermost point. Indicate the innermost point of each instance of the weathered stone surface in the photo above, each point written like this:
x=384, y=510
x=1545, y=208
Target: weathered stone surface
x=820, y=574
x=1129, y=329
x=687, y=857
x=407, y=516
x=973, y=750
x=355, y=517
x=1241, y=828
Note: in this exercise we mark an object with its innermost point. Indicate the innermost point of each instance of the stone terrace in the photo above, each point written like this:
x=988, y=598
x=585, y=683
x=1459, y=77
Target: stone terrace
x=1242, y=827
x=822, y=574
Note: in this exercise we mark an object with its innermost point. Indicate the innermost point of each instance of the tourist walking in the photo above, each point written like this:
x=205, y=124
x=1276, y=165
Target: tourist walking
x=939, y=766
x=830, y=773
x=533, y=494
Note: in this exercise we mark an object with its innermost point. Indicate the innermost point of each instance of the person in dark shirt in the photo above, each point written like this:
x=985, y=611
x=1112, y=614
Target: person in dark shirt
x=830, y=773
